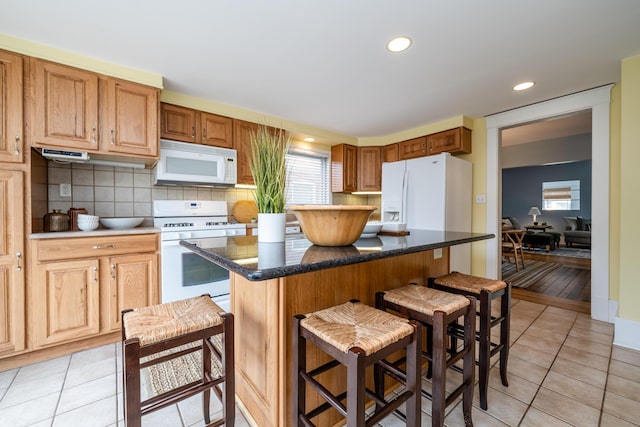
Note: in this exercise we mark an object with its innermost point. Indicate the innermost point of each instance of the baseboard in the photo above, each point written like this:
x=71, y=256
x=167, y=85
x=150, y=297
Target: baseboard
x=613, y=311
x=626, y=333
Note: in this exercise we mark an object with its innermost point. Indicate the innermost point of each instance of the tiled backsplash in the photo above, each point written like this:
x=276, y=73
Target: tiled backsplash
x=109, y=191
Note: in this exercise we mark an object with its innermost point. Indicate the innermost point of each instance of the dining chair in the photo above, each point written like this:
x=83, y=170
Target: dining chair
x=512, y=241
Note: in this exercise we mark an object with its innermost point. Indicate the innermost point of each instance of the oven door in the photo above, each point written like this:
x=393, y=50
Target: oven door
x=185, y=275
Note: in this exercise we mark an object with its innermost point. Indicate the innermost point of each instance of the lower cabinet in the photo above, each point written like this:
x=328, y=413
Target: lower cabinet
x=79, y=298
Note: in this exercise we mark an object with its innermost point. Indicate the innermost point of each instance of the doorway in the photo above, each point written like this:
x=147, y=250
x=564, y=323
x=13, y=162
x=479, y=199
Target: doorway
x=546, y=169
x=597, y=100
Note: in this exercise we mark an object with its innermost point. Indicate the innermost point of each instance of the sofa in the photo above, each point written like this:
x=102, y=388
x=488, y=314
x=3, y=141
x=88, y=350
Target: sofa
x=578, y=231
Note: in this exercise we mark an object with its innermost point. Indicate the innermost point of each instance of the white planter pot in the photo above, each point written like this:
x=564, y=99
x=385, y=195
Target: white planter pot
x=271, y=227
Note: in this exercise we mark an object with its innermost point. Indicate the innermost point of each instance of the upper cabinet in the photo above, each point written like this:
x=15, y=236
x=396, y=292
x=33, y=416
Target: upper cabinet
x=390, y=153
x=369, y=168
x=242, y=143
x=189, y=125
x=129, y=118
x=65, y=102
x=412, y=148
x=179, y=123
x=78, y=109
x=344, y=168
x=454, y=141
x=11, y=85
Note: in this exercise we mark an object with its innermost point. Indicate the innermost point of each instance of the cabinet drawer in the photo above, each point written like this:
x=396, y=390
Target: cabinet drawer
x=56, y=249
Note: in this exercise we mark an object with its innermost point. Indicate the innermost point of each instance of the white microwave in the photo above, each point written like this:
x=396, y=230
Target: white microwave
x=182, y=163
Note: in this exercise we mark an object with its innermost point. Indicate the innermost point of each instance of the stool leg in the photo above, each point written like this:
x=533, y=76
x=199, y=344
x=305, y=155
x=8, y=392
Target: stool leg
x=355, y=387
x=228, y=364
x=429, y=336
x=299, y=361
x=131, y=374
x=484, y=358
x=438, y=357
x=206, y=369
x=414, y=362
x=378, y=372
x=469, y=362
x=505, y=313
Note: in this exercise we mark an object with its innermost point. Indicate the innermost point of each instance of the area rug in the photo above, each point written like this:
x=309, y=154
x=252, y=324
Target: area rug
x=568, y=252
x=533, y=272
x=176, y=372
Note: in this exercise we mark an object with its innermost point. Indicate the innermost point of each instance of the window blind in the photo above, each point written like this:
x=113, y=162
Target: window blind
x=307, y=179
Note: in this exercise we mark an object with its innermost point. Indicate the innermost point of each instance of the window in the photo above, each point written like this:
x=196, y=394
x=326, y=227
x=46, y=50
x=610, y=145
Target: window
x=307, y=177
x=561, y=195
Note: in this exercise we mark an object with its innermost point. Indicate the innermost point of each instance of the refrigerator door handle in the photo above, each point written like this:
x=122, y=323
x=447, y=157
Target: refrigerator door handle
x=405, y=191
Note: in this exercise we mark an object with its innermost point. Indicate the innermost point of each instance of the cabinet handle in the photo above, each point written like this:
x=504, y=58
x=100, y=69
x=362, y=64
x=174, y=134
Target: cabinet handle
x=193, y=132
x=93, y=135
x=113, y=141
x=19, y=259
x=95, y=274
x=17, y=143
x=111, y=245
x=113, y=271
x=423, y=146
x=204, y=133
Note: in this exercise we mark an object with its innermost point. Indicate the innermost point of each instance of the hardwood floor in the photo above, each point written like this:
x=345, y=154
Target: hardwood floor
x=569, y=286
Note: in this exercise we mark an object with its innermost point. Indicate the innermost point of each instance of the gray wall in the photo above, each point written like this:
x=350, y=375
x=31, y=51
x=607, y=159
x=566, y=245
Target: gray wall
x=522, y=188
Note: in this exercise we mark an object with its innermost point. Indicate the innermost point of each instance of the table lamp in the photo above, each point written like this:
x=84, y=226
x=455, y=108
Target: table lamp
x=535, y=212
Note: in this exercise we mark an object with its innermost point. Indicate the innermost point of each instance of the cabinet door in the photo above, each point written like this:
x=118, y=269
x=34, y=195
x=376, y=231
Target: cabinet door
x=242, y=142
x=129, y=118
x=11, y=138
x=179, y=123
x=65, y=106
x=12, y=314
x=344, y=168
x=133, y=282
x=454, y=141
x=66, y=297
x=412, y=148
x=216, y=130
x=369, y=168
x=390, y=153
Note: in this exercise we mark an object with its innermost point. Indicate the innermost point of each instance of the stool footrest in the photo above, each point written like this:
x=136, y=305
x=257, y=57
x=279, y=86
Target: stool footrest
x=331, y=399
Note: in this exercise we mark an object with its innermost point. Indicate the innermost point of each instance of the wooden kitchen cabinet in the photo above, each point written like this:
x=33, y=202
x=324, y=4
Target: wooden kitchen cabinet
x=412, y=148
x=390, y=153
x=217, y=130
x=11, y=108
x=80, y=285
x=128, y=118
x=179, y=123
x=133, y=282
x=65, y=104
x=454, y=141
x=242, y=143
x=12, y=292
x=189, y=125
x=369, y=168
x=344, y=168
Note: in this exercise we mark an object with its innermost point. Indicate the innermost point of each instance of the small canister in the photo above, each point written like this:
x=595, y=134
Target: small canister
x=73, y=217
x=56, y=221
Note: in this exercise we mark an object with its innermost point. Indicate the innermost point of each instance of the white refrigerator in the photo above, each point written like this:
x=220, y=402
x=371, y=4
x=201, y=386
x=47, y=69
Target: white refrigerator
x=431, y=193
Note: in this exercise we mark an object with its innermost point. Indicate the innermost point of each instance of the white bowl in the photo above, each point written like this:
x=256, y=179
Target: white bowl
x=394, y=226
x=85, y=217
x=87, y=225
x=371, y=229
x=121, y=223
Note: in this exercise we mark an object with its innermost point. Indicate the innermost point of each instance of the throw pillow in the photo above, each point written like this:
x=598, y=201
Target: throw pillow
x=571, y=223
x=506, y=224
x=515, y=223
x=580, y=224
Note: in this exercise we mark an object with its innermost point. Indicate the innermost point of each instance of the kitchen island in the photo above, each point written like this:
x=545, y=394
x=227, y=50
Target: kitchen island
x=271, y=282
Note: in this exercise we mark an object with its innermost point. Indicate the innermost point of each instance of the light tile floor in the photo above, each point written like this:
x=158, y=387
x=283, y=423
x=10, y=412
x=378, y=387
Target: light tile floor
x=563, y=371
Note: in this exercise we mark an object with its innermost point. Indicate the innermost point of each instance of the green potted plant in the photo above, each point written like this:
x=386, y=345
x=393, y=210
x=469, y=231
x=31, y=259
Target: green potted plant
x=269, y=149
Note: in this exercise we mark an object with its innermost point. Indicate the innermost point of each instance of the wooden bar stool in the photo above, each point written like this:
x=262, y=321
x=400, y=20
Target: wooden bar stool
x=356, y=336
x=436, y=310
x=486, y=290
x=174, y=330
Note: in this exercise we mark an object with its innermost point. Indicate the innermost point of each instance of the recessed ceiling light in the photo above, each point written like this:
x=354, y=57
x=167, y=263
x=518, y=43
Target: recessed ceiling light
x=309, y=139
x=399, y=44
x=523, y=86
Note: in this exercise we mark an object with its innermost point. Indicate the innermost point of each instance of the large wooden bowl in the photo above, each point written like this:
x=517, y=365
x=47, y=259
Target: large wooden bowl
x=332, y=225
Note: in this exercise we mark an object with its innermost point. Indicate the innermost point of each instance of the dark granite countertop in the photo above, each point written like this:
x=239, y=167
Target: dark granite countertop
x=260, y=261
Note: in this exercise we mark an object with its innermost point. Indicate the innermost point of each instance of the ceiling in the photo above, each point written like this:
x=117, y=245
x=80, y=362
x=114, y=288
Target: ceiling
x=324, y=63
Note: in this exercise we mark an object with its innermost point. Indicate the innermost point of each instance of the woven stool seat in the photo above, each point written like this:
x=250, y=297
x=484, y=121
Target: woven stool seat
x=426, y=300
x=471, y=284
x=160, y=322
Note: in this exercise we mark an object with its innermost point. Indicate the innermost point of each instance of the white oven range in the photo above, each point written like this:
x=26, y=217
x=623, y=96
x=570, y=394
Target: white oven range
x=185, y=274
